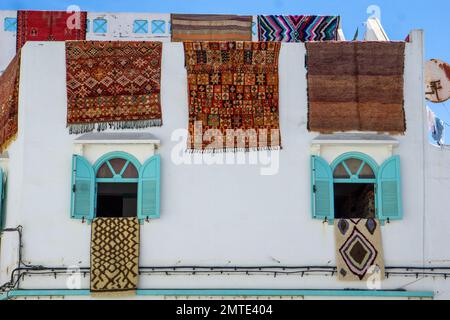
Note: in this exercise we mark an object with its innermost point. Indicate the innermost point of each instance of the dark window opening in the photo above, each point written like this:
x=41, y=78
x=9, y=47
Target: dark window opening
x=354, y=200
x=117, y=200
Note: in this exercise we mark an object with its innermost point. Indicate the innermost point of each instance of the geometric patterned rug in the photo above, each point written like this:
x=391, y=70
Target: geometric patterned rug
x=9, y=103
x=114, y=256
x=291, y=28
x=233, y=96
x=359, y=251
x=50, y=26
x=113, y=84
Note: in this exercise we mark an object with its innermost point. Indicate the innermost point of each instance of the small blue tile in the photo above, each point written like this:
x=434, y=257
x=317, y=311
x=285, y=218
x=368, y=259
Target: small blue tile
x=10, y=24
x=158, y=27
x=140, y=26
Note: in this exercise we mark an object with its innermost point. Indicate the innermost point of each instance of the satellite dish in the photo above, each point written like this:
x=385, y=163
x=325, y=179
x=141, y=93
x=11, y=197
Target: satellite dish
x=437, y=81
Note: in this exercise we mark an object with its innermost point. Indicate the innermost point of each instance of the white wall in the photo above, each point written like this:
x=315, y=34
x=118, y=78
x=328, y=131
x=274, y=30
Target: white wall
x=216, y=215
x=120, y=26
x=7, y=41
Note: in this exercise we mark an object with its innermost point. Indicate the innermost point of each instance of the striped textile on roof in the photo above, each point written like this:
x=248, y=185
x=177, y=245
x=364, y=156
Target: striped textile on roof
x=211, y=27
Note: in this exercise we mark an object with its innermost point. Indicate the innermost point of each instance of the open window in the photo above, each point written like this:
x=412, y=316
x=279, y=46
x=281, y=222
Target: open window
x=354, y=187
x=116, y=186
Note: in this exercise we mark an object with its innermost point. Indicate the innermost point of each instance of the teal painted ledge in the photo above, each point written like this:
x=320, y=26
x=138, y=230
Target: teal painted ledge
x=232, y=293
x=287, y=293
x=44, y=293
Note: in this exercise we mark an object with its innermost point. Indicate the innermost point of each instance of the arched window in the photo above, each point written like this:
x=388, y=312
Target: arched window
x=117, y=178
x=354, y=186
x=117, y=170
x=354, y=170
x=117, y=185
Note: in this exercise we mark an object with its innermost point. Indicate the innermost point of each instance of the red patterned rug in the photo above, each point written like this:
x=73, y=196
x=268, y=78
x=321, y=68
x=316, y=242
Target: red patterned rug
x=114, y=83
x=50, y=26
x=9, y=103
x=233, y=96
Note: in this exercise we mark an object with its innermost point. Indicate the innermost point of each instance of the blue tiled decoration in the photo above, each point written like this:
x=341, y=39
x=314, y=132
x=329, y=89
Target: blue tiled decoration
x=158, y=27
x=10, y=24
x=88, y=25
x=100, y=25
x=140, y=26
x=254, y=29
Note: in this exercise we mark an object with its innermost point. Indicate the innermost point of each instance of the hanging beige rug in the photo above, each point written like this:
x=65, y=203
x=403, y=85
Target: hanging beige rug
x=114, y=256
x=359, y=250
x=356, y=86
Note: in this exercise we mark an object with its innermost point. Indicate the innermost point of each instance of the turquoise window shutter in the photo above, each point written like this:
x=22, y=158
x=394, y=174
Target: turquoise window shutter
x=389, y=190
x=322, y=189
x=2, y=197
x=149, y=189
x=83, y=189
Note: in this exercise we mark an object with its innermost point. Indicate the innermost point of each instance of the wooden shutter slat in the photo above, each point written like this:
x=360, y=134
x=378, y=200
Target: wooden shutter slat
x=149, y=189
x=83, y=189
x=322, y=192
x=389, y=190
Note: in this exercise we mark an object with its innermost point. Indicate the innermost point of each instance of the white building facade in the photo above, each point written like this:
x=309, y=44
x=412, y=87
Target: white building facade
x=242, y=229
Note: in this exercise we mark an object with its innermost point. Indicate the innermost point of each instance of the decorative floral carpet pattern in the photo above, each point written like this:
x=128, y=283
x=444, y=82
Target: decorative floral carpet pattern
x=233, y=96
x=114, y=255
x=115, y=83
x=50, y=26
x=211, y=27
x=9, y=103
x=359, y=251
x=291, y=28
x=356, y=86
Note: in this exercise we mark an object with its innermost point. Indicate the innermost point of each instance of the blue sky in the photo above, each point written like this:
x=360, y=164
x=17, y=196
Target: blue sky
x=397, y=16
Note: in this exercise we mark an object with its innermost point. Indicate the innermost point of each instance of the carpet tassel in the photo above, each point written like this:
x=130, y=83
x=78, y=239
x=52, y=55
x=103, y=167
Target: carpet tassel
x=114, y=125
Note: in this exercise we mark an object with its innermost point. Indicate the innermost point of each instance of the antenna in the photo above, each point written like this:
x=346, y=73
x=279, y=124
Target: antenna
x=437, y=81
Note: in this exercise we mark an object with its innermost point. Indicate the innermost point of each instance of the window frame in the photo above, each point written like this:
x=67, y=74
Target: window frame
x=149, y=171
x=116, y=179
x=355, y=178
x=388, y=171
